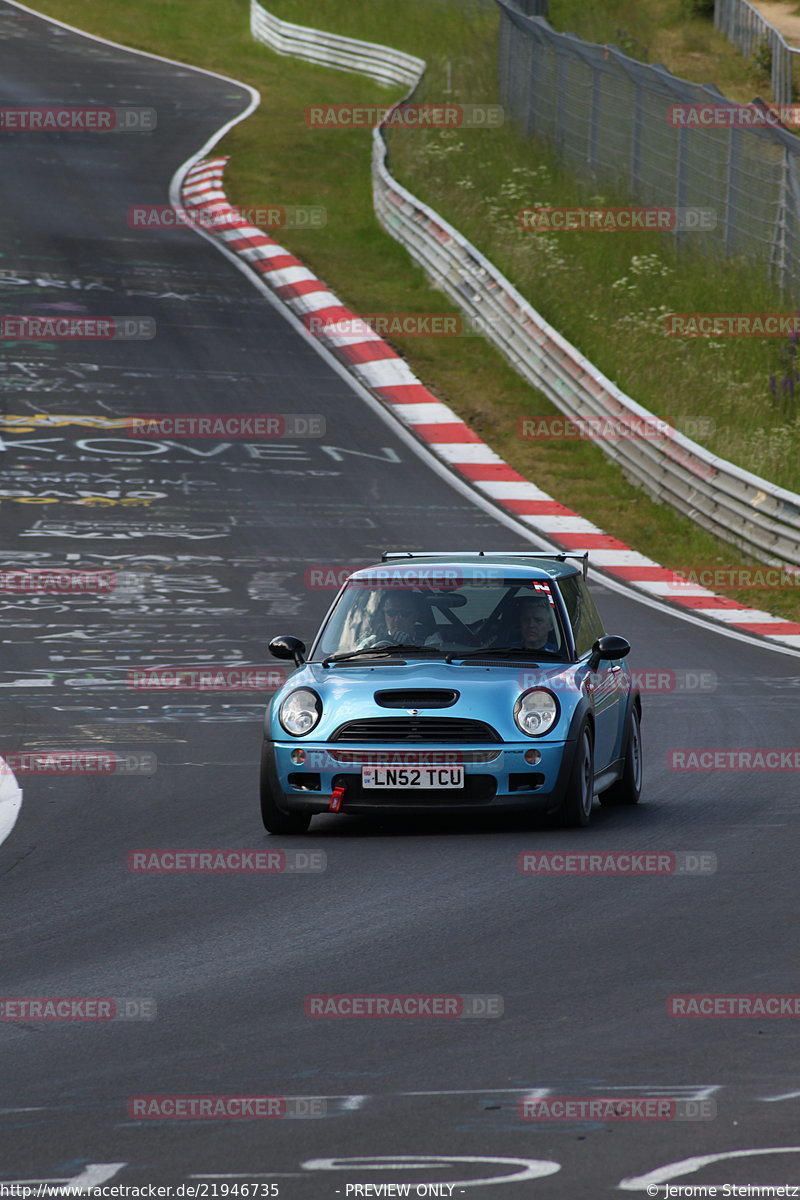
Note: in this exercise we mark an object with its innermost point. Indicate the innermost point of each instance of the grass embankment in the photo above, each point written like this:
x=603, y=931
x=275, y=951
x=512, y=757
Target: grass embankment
x=605, y=293
x=665, y=31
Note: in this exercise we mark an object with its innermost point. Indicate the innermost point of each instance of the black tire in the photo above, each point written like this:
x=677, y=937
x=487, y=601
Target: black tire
x=275, y=820
x=576, y=807
x=628, y=787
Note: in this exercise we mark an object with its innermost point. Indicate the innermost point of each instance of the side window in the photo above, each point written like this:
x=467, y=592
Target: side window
x=584, y=617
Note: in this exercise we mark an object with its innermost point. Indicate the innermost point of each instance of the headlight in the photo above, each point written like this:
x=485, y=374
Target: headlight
x=300, y=712
x=536, y=711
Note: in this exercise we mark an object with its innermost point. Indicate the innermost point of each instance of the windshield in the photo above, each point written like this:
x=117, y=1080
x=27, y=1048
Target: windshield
x=480, y=614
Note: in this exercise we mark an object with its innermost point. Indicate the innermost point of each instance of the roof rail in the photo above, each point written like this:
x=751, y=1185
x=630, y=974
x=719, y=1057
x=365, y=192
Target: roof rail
x=559, y=555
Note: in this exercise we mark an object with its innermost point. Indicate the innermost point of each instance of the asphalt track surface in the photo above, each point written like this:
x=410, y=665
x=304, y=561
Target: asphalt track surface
x=218, y=560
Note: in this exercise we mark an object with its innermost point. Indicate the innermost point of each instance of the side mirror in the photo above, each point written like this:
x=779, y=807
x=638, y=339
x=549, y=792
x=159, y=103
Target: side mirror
x=288, y=647
x=608, y=647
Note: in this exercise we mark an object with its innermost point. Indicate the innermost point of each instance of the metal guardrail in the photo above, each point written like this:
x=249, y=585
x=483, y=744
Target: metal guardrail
x=387, y=66
x=732, y=503
x=725, y=499
x=744, y=25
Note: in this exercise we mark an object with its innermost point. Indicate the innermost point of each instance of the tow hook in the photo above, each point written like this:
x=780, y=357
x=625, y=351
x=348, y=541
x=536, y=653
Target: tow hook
x=337, y=796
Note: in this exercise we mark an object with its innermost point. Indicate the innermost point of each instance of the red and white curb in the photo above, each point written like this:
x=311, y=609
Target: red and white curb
x=381, y=369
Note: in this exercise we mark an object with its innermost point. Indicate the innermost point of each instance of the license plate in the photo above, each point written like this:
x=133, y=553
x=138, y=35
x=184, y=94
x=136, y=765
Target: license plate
x=412, y=777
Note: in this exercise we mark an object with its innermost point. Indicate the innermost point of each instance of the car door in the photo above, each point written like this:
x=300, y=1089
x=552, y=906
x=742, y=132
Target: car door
x=607, y=688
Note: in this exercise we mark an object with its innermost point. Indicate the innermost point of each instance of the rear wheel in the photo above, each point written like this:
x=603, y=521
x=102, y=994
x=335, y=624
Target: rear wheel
x=576, y=807
x=628, y=787
x=275, y=820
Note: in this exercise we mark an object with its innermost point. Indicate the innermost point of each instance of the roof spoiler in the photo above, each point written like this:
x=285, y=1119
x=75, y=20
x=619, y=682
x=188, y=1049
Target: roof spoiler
x=558, y=555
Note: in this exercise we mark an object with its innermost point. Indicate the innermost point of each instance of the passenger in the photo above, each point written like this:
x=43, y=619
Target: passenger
x=536, y=623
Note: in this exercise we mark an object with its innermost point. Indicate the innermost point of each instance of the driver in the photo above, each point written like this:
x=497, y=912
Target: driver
x=400, y=621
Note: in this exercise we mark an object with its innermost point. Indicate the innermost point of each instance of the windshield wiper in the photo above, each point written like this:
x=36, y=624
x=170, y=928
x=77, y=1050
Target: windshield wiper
x=399, y=648
x=499, y=651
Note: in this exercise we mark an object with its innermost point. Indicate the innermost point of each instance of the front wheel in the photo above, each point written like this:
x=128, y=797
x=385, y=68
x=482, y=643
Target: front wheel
x=275, y=820
x=628, y=787
x=576, y=807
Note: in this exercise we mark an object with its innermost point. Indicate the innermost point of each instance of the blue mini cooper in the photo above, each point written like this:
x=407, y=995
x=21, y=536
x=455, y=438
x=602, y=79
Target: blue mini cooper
x=454, y=682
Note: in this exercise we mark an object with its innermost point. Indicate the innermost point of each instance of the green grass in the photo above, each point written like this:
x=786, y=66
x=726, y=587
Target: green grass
x=688, y=45
x=277, y=159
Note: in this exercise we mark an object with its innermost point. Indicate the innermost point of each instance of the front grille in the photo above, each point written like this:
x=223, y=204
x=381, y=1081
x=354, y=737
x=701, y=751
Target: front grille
x=417, y=698
x=386, y=730
x=477, y=789
x=402, y=758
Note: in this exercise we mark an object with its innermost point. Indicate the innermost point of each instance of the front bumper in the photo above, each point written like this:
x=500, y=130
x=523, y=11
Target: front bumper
x=495, y=777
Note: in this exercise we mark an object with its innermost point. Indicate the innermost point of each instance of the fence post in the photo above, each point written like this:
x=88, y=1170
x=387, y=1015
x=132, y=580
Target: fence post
x=560, y=93
x=533, y=80
x=778, y=70
x=594, y=118
x=732, y=184
x=778, y=249
x=636, y=140
x=681, y=180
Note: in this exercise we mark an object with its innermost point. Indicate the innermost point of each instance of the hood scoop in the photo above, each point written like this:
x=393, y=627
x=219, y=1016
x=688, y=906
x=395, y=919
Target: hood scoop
x=417, y=698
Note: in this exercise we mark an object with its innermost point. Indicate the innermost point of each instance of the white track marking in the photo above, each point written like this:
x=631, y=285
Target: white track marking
x=531, y=1168
x=688, y=1166
x=10, y=800
x=92, y=1175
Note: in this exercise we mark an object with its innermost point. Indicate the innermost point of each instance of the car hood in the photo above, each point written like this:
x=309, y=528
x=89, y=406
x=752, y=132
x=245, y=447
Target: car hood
x=485, y=693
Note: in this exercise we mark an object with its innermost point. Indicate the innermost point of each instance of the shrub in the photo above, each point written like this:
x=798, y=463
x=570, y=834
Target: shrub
x=698, y=8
